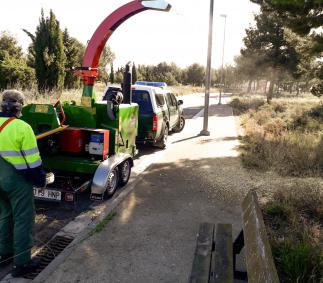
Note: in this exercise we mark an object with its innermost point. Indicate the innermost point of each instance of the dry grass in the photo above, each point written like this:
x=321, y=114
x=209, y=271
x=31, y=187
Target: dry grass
x=294, y=221
x=182, y=90
x=286, y=137
x=33, y=96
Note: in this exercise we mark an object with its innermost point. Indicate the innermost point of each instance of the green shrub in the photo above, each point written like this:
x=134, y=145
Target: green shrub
x=298, y=262
x=293, y=217
x=289, y=154
x=243, y=105
x=317, y=112
x=283, y=136
x=279, y=108
x=276, y=210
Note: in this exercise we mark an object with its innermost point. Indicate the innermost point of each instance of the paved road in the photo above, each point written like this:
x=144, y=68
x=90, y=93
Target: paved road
x=152, y=237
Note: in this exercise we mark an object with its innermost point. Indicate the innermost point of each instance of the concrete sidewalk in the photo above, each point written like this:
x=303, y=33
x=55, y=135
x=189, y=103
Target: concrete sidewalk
x=152, y=236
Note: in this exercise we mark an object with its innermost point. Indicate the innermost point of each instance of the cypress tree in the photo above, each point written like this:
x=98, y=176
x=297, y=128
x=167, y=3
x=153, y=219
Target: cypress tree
x=74, y=54
x=49, y=54
x=134, y=74
x=112, y=74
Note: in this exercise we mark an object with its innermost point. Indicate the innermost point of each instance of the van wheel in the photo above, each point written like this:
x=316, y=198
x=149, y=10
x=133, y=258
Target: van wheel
x=163, y=139
x=180, y=125
x=124, y=172
x=112, y=184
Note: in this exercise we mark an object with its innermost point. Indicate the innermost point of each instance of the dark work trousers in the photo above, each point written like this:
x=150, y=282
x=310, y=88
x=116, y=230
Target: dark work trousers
x=17, y=214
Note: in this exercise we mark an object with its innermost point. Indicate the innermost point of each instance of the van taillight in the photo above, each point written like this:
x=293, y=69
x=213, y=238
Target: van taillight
x=155, y=123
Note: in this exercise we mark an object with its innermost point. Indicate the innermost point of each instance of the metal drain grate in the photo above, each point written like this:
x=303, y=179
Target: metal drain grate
x=49, y=253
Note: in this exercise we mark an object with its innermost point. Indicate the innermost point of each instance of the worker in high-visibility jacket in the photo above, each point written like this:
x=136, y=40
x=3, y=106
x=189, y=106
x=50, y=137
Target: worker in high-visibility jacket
x=20, y=170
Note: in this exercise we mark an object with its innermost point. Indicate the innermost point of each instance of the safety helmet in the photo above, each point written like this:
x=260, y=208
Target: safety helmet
x=12, y=102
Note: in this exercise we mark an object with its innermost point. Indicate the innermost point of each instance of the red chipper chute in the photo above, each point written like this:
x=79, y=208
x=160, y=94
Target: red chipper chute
x=89, y=70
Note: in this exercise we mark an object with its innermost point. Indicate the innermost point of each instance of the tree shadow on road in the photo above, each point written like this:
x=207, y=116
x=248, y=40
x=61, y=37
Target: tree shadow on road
x=207, y=140
x=215, y=110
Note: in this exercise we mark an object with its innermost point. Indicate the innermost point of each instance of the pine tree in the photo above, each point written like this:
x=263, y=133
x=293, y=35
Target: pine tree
x=14, y=71
x=267, y=47
x=9, y=45
x=304, y=18
x=195, y=75
x=300, y=16
x=106, y=59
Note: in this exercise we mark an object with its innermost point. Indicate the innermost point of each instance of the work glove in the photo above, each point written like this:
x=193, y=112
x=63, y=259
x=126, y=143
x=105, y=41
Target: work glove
x=38, y=177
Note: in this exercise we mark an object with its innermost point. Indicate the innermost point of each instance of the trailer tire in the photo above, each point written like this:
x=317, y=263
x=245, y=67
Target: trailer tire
x=113, y=181
x=124, y=172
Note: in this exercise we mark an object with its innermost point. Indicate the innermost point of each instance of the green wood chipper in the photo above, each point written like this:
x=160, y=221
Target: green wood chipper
x=92, y=145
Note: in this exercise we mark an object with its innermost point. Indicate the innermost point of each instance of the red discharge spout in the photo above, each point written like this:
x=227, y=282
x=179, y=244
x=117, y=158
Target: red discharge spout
x=89, y=70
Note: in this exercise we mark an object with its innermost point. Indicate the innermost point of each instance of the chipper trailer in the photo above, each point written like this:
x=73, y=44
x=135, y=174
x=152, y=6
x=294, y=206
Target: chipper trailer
x=92, y=145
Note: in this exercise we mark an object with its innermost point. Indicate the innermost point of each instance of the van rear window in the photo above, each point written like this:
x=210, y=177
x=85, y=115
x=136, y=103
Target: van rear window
x=143, y=99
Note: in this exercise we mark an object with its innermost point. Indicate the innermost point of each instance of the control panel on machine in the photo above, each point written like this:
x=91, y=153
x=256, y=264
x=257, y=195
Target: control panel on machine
x=96, y=145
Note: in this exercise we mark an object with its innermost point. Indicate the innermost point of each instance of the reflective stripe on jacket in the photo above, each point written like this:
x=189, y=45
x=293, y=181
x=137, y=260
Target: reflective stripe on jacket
x=18, y=145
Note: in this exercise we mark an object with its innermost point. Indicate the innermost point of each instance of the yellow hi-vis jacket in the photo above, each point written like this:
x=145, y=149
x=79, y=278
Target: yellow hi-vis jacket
x=18, y=145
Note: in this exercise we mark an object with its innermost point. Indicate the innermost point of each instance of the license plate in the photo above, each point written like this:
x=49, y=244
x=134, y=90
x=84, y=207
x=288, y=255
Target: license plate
x=47, y=194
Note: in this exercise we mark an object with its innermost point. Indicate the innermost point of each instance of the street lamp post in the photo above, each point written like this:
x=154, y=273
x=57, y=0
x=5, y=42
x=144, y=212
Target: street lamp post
x=205, y=131
x=222, y=82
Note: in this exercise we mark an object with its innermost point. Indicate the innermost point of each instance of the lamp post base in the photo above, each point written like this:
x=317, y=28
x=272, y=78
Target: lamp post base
x=204, y=133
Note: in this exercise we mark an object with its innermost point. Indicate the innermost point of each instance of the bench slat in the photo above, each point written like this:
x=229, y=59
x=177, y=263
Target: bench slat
x=203, y=252
x=223, y=255
x=259, y=260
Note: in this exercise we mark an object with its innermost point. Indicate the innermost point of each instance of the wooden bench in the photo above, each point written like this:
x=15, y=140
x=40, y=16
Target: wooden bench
x=215, y=254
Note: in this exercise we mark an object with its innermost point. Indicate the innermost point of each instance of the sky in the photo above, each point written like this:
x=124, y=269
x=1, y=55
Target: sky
x=150, y=37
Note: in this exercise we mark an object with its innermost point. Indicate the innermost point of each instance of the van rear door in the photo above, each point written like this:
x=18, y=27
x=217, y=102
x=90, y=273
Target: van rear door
x=146, y=112
x=172, y=107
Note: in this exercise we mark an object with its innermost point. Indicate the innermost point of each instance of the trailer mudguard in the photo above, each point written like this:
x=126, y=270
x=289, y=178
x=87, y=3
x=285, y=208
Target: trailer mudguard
x=100, y=179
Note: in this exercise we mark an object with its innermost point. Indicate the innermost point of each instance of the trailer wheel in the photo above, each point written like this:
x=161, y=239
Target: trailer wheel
x=112, y=184
x=124, y=172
